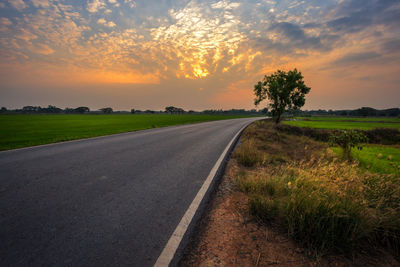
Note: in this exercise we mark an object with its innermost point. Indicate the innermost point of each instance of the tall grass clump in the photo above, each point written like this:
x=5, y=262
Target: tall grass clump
x=247, y=153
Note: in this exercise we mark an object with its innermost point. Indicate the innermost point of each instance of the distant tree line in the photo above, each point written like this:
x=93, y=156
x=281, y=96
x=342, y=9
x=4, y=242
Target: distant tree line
x=174, y=110
x=38, y=109
x=108, y=110
x=360, y=112
x=79, y=110
x=237, y=111
x=42, y=110
x=46, y=110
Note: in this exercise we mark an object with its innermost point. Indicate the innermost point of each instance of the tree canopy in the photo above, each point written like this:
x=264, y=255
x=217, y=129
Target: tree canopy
x=285, y=91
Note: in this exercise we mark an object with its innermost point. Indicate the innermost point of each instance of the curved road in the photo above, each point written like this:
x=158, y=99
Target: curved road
x=107, y=201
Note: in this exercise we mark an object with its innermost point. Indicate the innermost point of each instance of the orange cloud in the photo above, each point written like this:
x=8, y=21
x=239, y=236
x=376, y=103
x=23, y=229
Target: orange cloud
x=40, y=74
x=113, y=77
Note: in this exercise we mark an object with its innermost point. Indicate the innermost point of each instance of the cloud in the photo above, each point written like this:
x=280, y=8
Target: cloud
x=295, y=4
x=5, y=21
x=4, y=24
x=391, y=46
x=106, y=23
x=41, y=3
x=101, y=21
x=42, y=49
x=295, y=36
x=210, y=44
x=202, y=40
x=349, y=24
x=26, y=35
x=358, y=15
x=356, y=58
x=17, y=4
x=130, y=3
x=95, y=5
x=224, y=4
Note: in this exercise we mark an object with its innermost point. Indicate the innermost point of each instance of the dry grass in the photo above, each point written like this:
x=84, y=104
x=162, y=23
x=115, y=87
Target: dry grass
x=325, y=204
x=247, y=155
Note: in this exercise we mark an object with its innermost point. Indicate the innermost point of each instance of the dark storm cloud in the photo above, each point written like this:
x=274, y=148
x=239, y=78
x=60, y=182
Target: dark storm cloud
x=296, y=35
x=348, y=17
x=357, y=15
x=292, y=37
x=391, y=46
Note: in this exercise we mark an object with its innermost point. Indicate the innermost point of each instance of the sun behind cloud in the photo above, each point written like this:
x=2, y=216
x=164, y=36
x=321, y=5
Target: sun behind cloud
x=219, y=44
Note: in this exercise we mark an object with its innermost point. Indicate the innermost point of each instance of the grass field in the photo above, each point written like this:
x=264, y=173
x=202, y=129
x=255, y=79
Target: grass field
x=338, y=118
x=345, y=123
x=18, y=131
x=377, y=158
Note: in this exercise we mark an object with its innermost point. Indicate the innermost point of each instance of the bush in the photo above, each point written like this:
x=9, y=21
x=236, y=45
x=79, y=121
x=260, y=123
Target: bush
x=385, y=136
x=347, y=140
x=317, y=134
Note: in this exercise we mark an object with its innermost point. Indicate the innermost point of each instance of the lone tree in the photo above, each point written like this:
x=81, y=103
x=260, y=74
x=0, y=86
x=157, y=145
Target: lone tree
x=285, y=91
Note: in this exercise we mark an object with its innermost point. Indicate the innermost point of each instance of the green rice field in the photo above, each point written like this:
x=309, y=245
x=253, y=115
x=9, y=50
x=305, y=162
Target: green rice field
x=18, y=131
x=377, y=158
x=344, y=122
x=357, y=119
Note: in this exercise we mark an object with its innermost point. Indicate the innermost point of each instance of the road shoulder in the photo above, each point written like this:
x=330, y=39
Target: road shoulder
x=228, y=236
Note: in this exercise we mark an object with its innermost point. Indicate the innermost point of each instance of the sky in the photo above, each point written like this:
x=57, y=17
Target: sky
x=196, y=54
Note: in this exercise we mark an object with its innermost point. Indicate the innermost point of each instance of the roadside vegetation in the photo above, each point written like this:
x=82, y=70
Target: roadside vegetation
x=325, y=202
x=332, y=185
x=28, y=130
x=379, y=153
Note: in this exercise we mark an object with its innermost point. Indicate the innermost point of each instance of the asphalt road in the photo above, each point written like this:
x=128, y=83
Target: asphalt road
x=108, y=201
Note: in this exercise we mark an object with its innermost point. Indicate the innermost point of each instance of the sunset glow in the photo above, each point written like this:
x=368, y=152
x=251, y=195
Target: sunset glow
x=196, y=54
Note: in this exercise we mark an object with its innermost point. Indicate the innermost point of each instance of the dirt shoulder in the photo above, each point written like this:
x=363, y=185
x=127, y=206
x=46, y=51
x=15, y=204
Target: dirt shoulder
x=228, y=235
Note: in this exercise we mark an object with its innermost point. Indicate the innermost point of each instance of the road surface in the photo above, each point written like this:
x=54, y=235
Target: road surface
x=108, y=201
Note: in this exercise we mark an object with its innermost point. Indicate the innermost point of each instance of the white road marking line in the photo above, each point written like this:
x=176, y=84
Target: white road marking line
x=170, y=249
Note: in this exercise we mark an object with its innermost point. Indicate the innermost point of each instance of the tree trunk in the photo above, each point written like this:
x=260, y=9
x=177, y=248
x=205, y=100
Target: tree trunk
x=347, y=152
x=278, y=119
